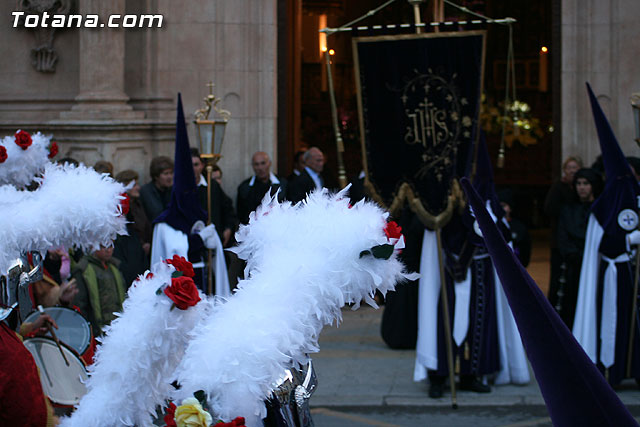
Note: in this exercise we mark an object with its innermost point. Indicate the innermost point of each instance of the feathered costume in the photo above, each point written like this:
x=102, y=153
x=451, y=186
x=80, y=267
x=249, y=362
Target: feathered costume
x=135, y=364
x=73, y=206
x=304, y=262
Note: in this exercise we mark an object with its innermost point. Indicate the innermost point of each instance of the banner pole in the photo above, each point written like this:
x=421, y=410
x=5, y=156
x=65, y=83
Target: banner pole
x=342, y=175
x=444, y=300
x=209, y=252
x=416, y=14
x=634, y=305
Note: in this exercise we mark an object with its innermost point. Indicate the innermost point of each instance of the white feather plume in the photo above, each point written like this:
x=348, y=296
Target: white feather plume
x=304, y=264
x=74, y=206
x=22, y=166
x=135, y=364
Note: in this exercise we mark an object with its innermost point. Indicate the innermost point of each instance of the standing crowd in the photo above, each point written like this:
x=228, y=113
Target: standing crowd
x=96, y=283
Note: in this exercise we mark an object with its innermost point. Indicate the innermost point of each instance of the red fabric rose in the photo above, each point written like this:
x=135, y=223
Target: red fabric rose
x=393, y=230
x=169, y=418
x=23, y=139
x=237, y=422
x=149, y=276
x=183, y=292
x=182, y=265
x=124, y=203
x=3, y=154
x=53, y=150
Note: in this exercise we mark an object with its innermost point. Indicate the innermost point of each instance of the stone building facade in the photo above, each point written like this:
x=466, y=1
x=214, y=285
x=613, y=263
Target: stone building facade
x=599, y=45
x=110, y=93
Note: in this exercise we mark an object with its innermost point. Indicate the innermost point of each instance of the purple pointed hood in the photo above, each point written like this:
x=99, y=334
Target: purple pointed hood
x=574, y=391
x=184, y=209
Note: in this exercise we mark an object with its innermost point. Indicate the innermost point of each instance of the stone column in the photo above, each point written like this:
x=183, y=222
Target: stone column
x=599, y=45
x=101, y=79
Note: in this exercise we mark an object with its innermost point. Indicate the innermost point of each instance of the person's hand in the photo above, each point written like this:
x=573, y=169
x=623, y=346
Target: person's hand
x=40, y=324
x=209, y=236
x=226, y=236
x=146, y=247
x=68, y=291
x=633, y=238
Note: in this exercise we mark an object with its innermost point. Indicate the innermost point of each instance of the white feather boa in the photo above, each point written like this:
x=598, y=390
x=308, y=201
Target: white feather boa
x=135, y=364
x=304, y=264
x=74, y=206
x=22, y=166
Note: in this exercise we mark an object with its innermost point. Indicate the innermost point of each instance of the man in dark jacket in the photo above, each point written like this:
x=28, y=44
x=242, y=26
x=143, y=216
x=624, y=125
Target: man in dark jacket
x=252, y=190
x=298, y=165
x=310, y=178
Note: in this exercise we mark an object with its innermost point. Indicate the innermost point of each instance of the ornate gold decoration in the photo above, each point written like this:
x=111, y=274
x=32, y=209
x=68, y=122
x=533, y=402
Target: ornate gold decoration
x=211, y=102
x=405, y=193
x=519, y=126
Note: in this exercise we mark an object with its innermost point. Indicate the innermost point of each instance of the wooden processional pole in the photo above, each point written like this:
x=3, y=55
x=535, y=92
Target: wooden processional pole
x=438, y=15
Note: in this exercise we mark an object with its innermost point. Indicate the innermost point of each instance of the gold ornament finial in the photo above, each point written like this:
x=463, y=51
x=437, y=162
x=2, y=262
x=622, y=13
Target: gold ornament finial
x=211, y=102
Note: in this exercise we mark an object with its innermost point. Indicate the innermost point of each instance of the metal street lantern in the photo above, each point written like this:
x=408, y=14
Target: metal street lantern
x=211, y=130
x=635, y=106
x=210, y=137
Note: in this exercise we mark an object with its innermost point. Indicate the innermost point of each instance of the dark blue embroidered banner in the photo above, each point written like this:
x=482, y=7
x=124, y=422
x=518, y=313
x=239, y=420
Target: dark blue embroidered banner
x=419, y=99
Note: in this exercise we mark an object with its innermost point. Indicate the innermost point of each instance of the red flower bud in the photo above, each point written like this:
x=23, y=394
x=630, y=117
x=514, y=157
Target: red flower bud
x=181, y=264
x=23, y=139
x=183, y=292
x=3, y=154
x=169, y=418
x=392, y=230
x=124, y=204
x=53, y=149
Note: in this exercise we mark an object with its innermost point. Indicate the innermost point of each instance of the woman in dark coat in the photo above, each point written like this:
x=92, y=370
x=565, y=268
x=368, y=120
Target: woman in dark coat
x=571, y=231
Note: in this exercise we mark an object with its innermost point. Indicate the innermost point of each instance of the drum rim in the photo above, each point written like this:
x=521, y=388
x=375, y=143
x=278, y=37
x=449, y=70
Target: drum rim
x=66, y=346
x=61, y=308
x=71, y=350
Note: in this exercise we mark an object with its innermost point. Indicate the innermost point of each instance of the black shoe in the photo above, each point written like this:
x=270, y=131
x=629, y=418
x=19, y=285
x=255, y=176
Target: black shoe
x=436, y=389
x=471, y=383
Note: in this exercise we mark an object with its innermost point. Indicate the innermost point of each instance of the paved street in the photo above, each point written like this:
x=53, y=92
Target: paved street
x=361, y=382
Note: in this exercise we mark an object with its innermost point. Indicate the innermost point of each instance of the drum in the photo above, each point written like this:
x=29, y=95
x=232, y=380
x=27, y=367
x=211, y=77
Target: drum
x=73, y=329
x=63, y=384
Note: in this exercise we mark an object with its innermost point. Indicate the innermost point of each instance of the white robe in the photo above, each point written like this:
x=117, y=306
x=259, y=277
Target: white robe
x=167, y=242
x=513, y=361
x=584, y=325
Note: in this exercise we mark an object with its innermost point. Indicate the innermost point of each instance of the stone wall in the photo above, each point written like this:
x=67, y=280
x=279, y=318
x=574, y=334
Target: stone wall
x=599, y=45
x=113, y=92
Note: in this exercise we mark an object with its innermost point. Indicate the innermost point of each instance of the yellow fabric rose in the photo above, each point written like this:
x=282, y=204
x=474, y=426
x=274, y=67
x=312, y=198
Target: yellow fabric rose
x=191, y=414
